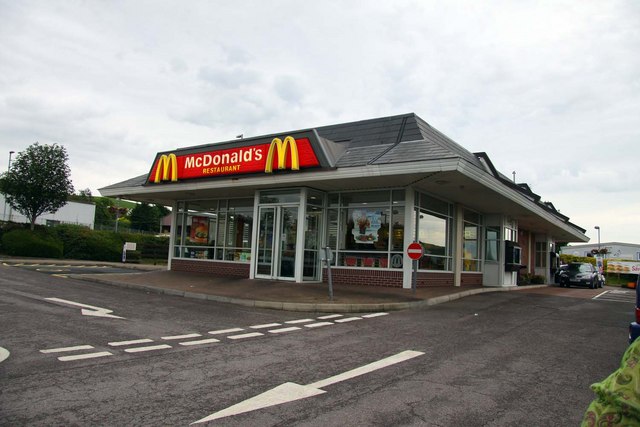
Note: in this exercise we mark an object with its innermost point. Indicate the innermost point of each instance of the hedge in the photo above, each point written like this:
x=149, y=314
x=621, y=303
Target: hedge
x=37, y=243
x=78, y=242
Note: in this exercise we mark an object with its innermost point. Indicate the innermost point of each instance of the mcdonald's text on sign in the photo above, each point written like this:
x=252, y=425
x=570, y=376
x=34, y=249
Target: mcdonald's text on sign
x=279, y=154
x=414, y=250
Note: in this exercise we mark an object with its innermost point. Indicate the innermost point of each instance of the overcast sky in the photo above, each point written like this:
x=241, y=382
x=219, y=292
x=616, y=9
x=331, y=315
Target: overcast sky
x=549, y=89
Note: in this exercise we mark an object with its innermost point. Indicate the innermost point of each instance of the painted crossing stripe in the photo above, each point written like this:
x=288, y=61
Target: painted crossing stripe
x=200, y=342
x=347, y=319
x=148, y=348
x=369, y=316
x=132, y=342
x=249, y=335
x=294, y=322
x=282, y=330
x=225, y=331
x=319, y=324
x=265, y=326
x=84, y=356
x=181, y=337
x=65, y=349
x=330, y=316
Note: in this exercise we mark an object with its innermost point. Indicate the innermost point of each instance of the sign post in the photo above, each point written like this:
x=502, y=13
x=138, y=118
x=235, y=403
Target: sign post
x=328, y=258
x=414, y=251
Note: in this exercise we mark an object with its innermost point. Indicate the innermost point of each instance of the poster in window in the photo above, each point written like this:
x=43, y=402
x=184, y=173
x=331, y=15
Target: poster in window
x=199, y=229
x=365, y=226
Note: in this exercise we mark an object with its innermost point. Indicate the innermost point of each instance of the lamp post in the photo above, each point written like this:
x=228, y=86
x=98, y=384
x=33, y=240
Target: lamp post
x=4, y=211
x=597, y=227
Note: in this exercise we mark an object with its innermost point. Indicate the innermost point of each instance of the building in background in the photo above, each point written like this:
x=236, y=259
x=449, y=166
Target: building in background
x=79, y=213
x=267, y=207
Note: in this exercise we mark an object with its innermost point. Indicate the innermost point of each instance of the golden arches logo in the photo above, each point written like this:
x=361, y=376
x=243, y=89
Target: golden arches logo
x=163, y=173
x=289, y=144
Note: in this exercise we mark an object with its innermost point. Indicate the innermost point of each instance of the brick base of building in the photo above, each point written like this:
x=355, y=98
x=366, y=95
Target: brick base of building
x=393, y=278
x=220, y=269
x=340, y=276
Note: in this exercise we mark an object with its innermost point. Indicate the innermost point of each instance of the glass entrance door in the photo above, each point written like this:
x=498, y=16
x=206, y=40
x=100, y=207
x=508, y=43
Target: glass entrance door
x=277, y=236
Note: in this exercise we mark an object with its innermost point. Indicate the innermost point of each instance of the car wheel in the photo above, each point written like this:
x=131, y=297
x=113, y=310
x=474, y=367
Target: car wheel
x=592, y=285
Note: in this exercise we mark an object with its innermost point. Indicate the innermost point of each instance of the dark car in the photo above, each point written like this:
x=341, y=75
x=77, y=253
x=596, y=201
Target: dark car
x=580, y=274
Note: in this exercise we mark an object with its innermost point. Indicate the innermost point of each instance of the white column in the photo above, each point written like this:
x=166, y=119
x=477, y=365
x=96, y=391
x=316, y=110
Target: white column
x=409, y=236
x=458, y=234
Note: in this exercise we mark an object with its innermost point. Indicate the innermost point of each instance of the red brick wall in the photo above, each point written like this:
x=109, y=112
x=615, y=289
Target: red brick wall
x=221, y=269
x=469, y=279
x=391, y=278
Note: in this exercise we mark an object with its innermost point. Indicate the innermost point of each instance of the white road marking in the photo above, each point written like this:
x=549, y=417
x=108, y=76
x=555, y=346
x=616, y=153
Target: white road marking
x=249, y=335
x=181, y=337
x=200, y=342
x=347, y=319
x=84, y=356
x=282, y=330
x=121, y=343
x=600, y=294
x=148, y=348
x=225, y=331
x=330, y=316
x=64, y=349
x=266, y=325
x=289, y=392
x=294, y=322
x=369, y=316
x=93, y=311
x=4, y=354
x=319, y=324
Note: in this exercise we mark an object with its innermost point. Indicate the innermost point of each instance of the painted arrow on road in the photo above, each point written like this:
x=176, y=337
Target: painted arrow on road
x=88, y=310
x=289, y=392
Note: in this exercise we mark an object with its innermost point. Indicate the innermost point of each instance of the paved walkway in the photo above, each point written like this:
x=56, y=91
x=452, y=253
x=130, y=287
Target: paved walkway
x=312, y=297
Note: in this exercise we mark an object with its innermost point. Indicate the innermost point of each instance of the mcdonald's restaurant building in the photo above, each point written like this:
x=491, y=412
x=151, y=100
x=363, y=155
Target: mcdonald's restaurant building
x=267, y=207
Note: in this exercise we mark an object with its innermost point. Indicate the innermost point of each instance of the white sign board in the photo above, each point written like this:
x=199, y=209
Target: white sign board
x=130, y=246
x=623, y=267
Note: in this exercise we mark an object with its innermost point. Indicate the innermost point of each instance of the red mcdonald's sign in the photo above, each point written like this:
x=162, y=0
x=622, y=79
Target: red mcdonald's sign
x=278, y=154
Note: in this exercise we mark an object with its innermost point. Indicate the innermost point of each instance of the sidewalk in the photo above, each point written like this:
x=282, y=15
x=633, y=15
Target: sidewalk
x=311, y=297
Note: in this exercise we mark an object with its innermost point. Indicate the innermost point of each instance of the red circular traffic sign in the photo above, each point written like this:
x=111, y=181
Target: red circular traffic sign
x=414, y=250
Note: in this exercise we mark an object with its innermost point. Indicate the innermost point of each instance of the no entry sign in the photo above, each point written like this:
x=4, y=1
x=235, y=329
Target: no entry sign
x=414, y=251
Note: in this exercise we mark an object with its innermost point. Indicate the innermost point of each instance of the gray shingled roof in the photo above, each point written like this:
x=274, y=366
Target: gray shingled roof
x=393, y=139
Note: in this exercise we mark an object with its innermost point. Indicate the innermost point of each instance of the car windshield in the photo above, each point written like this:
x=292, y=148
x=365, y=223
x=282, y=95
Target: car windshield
x=580, y=268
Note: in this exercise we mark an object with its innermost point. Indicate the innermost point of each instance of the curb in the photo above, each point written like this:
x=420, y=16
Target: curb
x=326, y=307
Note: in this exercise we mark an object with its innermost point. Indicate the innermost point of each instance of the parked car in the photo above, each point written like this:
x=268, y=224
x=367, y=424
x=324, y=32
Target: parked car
x=581, y=274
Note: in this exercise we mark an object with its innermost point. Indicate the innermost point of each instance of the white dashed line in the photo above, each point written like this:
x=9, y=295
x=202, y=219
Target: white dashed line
x=225, y=331
x=249, y=335
x=347, y=319
x=181, y=337
x=132, y=342
x=294, y=322
x=148, y=348
x=369, y=316
x=279, y=331
x=265, y=326
x=200, y=342
x=84, y=356
x=330, y=316
x=63, y=349
x=317, y=325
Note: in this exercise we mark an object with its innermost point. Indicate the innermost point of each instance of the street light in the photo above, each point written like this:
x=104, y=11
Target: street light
x=4, y=211
x=597, y=227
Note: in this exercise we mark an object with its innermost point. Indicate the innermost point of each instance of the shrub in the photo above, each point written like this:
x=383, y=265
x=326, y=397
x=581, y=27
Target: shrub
x=86, y=244
x=37, y=243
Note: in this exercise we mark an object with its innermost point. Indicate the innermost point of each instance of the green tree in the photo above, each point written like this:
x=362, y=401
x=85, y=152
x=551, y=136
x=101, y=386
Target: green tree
x=146, y=217
x=38, y=181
